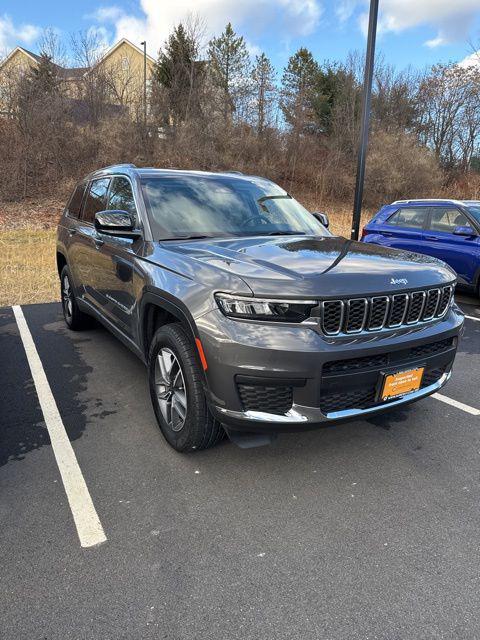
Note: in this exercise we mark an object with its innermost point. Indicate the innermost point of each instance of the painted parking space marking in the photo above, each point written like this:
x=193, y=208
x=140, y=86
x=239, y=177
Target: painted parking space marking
x=87, y=522
x=473, y=318
x=457, y=404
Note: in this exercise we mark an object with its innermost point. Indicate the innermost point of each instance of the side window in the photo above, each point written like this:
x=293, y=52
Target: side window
x=411, y=217
x=75, y=204
x=447, y=218
x=121, y=196
x=96, y=199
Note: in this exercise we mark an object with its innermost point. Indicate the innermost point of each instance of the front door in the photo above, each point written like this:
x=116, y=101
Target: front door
x=114, y=280
x=461, y=252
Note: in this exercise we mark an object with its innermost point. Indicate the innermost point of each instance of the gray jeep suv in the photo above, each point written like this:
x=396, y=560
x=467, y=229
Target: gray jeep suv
x=251, y=317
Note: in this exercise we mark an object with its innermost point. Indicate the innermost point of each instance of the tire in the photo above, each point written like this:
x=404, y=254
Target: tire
x=74, y=318
x=176, y=389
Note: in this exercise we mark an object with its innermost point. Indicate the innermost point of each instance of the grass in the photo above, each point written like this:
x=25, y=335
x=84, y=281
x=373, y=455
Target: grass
x=28, y=272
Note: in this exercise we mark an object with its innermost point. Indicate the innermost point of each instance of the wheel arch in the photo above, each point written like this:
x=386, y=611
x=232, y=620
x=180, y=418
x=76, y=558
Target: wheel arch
x=157, y=310
x=61, y=262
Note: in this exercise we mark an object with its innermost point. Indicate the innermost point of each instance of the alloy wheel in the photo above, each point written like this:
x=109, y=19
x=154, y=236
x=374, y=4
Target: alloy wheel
x=170, y=389
x=67, y=297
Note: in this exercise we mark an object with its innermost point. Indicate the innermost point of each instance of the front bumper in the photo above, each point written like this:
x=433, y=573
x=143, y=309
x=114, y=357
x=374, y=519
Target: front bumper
x=310, y=364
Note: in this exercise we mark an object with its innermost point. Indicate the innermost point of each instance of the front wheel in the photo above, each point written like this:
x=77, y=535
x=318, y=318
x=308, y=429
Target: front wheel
x=177, y=393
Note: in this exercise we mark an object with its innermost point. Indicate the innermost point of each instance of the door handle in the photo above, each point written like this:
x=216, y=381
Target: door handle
x=72, y=232
x=98, y=242
x=432, y=238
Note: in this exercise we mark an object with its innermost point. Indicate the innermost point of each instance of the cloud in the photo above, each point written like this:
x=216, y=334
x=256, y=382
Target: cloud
x=345, y=9
x=285, y=17
x=11, y=34
x=473, y=60
x=452, y=19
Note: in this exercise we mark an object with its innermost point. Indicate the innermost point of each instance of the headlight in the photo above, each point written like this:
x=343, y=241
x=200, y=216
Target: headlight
x=264, y=309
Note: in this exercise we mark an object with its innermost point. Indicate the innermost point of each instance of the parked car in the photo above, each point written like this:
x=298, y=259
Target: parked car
x=445, y=229
x=249, y=314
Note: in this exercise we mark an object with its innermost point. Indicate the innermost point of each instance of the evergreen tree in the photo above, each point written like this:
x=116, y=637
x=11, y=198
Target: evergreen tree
x=177, y=73
x=43, y=78
x=264, y=92
x=229, y=64
x=299, y=91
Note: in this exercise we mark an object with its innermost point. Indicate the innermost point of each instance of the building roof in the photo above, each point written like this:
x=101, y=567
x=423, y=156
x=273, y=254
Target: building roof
x=70, y=73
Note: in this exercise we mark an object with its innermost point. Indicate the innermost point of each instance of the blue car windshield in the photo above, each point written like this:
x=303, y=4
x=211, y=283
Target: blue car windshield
x=475, y=211
x=221, y=206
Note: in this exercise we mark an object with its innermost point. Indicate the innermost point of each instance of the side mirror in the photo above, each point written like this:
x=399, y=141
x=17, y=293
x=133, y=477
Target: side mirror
x=115, y=223
x=322, y=218
x=464, y=231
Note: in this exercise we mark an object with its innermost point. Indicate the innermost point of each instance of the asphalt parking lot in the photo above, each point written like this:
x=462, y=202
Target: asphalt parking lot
x=368, y=530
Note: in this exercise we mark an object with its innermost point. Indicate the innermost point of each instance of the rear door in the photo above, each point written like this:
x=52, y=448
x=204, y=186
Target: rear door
x=71, y=221
x=87, y=242
x=461, y=252
x=113, y=278
x=404, y=228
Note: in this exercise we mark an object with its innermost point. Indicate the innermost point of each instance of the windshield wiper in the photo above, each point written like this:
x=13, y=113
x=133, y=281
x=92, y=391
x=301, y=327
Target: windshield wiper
x=284, y=233
x=192, y=237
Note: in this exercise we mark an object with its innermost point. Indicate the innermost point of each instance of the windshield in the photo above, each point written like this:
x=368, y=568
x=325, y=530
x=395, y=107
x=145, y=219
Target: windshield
x=475, y=211
x=190, y=206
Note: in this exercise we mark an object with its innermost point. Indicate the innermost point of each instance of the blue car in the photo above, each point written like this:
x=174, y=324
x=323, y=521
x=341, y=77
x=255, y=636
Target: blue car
x=445, y=229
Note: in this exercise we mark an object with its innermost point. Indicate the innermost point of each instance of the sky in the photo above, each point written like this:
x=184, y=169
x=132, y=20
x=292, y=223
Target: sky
x=410, y=32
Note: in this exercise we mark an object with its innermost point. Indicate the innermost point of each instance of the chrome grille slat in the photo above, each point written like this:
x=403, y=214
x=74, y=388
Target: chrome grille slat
x=357, y=309
x=416, y=304
x=356, y=315
x=431, y=305
x=375, y=303
x=400, y=302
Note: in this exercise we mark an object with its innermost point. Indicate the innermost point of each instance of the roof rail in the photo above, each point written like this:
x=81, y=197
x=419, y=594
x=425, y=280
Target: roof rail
x=121, y=164
x=428, y=200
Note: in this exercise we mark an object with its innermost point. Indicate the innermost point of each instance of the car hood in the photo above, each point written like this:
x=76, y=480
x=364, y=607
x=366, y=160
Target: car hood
x=299, y=266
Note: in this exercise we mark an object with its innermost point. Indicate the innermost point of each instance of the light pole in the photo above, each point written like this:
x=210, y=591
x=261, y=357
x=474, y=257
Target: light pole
x=366, y=101
x=144, y=43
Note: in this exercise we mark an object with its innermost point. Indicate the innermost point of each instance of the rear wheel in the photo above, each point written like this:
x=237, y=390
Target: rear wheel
x=177, y=393
x=74, y=318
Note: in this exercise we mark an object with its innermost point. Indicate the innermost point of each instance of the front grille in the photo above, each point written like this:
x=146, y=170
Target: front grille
x=354, y=315
x=356, y=364
x=431, y=348
x=274, y=399
x=351, y=365
x=366, y=397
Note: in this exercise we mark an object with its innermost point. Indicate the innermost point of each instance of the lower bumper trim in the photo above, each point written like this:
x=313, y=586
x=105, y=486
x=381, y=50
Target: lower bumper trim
x=303, y=416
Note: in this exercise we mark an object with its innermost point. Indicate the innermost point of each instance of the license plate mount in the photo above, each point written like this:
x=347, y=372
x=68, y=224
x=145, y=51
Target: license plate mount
x=401, y=383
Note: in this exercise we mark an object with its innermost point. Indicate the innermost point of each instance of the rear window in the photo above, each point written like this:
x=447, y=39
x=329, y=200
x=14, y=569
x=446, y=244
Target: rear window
x=96, y=199
x=75, y=204
x=411, y=217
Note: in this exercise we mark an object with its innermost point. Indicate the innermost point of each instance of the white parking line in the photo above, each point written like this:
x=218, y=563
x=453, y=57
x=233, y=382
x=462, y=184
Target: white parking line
x=457, y=404
x=89, y=527
x=473, y=318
